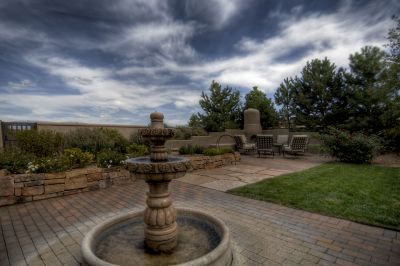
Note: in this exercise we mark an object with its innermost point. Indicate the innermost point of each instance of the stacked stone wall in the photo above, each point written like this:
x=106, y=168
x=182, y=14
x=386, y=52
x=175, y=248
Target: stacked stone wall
x=210, y=162
x=18, y=188
x=15, y=188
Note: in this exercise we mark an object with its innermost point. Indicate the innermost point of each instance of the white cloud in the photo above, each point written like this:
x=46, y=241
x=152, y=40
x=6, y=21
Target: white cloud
x=335, y=36
x=217, y=13
x=22, y=85
x=99, y=93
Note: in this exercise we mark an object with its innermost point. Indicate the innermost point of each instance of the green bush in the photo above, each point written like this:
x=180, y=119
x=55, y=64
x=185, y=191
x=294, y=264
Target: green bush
x=217, y=151
x=109, y=158
x=96, y=140
x=48, y=165
x=136, y=150
x=40, y=143
x=350, y=147
x=119, y=142
x=15, y=160
x=76, y=158
x=135, y=138
x=189, y=149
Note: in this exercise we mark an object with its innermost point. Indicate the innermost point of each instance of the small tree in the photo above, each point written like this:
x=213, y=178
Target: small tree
x=258, y=100
x=221, y=109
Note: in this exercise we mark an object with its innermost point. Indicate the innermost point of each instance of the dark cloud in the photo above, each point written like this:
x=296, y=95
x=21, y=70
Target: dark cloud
x=101, y=60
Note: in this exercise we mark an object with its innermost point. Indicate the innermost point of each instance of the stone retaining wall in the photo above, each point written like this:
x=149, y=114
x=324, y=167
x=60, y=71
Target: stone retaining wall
x=210, y=162
x=17, y=188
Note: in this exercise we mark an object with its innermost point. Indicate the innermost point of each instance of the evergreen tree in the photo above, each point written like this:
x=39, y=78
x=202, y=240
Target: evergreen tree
x=319, y=95
x=258, y=100
x=221, y=109
x=371, y=91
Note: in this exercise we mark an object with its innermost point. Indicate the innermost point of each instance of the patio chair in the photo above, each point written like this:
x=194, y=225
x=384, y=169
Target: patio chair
x=264, y=144
x=298, y=144
x=242, y=145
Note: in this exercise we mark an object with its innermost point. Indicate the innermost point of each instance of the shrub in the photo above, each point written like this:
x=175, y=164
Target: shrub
x=136, y=150
x=48, y=165
x=189, y=149
x=350, y=148
x=217, y=151
x=138, y=139
x=15, y=160
x=96, y=140
x=109, y=158
x=75, y=158
x=40, y=143
x=119, y=142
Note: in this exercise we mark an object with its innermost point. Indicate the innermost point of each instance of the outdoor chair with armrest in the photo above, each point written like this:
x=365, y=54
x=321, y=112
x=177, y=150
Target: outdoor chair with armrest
x=298, y=144
x=242, y=145
x=265, y=144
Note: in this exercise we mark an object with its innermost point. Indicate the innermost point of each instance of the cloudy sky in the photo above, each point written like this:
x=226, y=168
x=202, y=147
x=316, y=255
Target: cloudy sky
x=102, y=61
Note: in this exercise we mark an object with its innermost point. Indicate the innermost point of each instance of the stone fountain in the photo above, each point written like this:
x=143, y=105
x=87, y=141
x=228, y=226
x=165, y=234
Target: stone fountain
x=167, y=236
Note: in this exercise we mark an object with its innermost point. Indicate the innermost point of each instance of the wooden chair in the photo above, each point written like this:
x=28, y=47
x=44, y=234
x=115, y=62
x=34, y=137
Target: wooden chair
x=242, y=145
x=265, y=144
x=298, y=144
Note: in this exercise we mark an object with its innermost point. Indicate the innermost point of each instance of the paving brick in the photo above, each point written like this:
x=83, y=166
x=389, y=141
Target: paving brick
x=49, y=232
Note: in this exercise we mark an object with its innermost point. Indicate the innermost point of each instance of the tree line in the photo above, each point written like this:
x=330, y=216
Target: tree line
x=363, y=97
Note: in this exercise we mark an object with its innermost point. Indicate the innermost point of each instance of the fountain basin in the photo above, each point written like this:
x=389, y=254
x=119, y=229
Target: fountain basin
x=202, y=240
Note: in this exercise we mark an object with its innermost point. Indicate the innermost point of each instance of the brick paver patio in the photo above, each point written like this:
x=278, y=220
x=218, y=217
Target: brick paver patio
x=49, y=232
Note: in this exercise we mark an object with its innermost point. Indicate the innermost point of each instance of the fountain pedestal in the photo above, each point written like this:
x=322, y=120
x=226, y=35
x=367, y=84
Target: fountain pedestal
x=160, y=218
x=161, y=232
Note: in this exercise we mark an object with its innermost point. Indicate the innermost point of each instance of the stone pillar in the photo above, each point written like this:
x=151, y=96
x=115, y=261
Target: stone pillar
x=252, y=125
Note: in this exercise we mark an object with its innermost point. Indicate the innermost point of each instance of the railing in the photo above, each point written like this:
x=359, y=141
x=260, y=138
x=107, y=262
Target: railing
x=9, y=131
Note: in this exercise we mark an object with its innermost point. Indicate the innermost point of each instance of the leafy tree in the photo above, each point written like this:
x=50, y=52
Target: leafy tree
x=320, y=97
x=258, y=100
x=371, y=92
x=284, y=96
x=221, y=109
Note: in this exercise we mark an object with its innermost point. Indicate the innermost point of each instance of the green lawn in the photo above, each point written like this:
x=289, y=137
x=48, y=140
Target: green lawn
x=363, y=193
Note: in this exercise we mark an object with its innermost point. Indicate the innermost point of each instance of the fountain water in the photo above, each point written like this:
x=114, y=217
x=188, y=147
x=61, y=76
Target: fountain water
x=200, y=239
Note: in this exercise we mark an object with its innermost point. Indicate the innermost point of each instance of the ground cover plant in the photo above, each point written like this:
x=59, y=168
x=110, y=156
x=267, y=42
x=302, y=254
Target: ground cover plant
x=363, y=193
x=217, y=151
x=191, y=149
